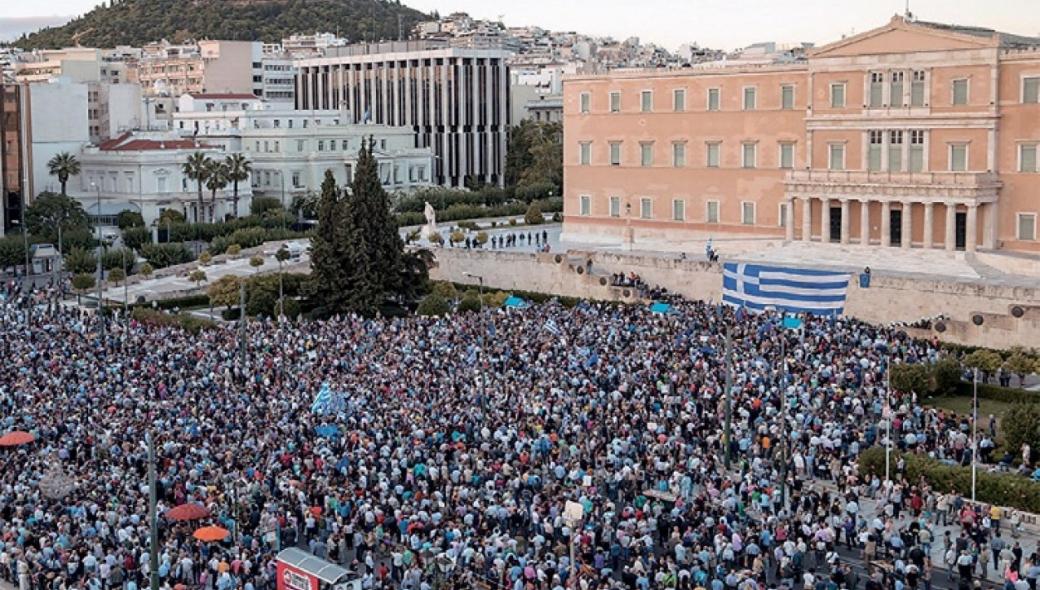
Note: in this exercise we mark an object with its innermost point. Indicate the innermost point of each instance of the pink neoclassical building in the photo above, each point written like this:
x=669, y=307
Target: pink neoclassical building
x=914, y=134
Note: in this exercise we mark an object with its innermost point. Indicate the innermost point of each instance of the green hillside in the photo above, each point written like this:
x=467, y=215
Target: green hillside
x=137, y=22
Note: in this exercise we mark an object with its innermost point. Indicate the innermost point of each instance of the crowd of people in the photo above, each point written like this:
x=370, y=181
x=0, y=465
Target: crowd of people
x=462, y=445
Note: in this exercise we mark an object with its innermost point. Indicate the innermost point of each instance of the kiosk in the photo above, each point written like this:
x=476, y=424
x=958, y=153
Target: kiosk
x=300, y=570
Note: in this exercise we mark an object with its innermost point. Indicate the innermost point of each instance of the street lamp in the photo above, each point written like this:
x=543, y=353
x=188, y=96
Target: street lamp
x=480, y=279
x=25, y=244
x=100, y=252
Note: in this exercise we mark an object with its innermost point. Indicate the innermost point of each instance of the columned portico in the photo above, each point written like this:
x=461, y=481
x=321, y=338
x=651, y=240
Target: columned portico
x=900, y=192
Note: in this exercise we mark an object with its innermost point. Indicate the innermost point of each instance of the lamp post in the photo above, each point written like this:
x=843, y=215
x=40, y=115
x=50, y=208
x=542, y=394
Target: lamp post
x=25, y=244
x=728, y=430
x=480, y=280
x=888, y=414
x=153, y=520
x=100, y=252
x=974, y=428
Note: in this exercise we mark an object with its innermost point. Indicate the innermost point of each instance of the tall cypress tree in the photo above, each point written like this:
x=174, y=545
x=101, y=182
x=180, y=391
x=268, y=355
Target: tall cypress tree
x=357, y=253
x=327, y=284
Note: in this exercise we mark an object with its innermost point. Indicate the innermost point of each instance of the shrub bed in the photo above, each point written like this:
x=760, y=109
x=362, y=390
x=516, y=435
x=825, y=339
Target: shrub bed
x=1003, y=489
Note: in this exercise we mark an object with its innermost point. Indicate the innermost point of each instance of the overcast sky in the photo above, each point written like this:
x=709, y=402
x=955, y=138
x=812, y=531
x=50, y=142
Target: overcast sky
x=725, y=24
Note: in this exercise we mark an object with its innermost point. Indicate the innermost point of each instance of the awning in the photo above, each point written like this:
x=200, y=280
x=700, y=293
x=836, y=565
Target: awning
x=325, y=571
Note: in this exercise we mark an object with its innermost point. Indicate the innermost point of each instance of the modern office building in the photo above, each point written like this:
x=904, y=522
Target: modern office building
x=914, y=134
x=455, y=100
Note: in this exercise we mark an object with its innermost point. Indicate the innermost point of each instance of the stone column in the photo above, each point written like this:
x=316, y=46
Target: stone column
x=929, y=225
x=972, y=230
x=906, y=235
x=844, y=221
x=886, y=223
x=990, y=226
x=950, y=239
x=864, y=222
x=825, y=220
x=789, y=220
x=806, y=219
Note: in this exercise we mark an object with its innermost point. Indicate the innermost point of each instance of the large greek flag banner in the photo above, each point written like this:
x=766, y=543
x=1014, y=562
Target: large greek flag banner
x=796, y=290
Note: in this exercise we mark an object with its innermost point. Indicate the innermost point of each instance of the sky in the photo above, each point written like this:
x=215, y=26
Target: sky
x=723, y=24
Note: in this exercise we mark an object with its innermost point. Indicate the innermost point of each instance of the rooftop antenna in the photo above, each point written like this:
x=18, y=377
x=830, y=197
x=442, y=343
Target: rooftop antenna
x=909, y=15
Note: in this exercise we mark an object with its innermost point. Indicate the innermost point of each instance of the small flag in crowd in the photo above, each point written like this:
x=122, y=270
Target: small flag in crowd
x=551, y=326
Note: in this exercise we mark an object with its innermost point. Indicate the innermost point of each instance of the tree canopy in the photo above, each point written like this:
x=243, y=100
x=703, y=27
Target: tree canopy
x=137, y=22
x=48, y=210
x=535, y=155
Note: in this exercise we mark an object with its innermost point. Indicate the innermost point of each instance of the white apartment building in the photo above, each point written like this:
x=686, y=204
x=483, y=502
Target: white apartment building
x=454, y=100
x=291, y=150
x=143, y=173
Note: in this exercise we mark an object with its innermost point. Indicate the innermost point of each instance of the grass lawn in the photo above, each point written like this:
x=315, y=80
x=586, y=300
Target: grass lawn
x=962, y=406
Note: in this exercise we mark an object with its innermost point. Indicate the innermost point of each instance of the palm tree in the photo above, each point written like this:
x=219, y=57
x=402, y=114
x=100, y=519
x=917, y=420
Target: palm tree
x=238, y=168
x=63, y=166
x=216, y=179
x=196, y=169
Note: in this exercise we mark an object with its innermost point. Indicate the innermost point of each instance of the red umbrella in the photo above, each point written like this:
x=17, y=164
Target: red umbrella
x=16, y=438
x=190, y=511
x=210, y=534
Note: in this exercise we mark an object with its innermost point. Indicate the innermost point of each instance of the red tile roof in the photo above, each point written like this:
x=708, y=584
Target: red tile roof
x=120, y=144
x=227, y=96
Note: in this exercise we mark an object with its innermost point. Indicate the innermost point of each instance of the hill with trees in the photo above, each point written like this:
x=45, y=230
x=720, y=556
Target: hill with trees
x=138, y=22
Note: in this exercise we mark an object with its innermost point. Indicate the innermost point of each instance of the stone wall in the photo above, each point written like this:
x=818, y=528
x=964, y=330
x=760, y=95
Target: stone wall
x=888, y=299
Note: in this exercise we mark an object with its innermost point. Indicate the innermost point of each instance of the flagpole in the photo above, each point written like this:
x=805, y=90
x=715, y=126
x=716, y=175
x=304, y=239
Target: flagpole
x=728, y=432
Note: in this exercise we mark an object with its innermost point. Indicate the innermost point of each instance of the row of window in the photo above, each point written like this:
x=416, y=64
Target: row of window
x=713, y=154
x=883, y=91
x=748, y=209
x=390, y=174
x=1025, y=230
x=893, y=150
x=322, y=145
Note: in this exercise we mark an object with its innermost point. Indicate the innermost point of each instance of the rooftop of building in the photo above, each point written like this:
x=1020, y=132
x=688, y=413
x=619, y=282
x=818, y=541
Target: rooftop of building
x=222, y=96
x=1005, y=39
x=128, y=143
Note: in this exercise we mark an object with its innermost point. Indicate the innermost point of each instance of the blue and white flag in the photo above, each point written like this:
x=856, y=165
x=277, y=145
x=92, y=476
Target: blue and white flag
x=798, y=290
x=551, y=326
x=322, y=403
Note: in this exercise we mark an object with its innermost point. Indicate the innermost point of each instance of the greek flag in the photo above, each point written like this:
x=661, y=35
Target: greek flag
x=551, y=326
x=323, y=401
x=797, y=290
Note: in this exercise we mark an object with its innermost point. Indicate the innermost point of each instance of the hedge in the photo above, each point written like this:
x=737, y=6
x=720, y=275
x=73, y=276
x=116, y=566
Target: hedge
x=460, y=211
x=1005, y=489
x=1010, y=395
x=184, y=321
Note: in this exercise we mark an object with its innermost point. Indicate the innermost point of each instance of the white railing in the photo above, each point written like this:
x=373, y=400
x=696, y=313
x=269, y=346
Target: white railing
x=966, y=179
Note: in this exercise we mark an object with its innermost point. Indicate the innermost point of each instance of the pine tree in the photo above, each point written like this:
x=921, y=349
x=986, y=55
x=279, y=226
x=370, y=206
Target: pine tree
x=385, y=241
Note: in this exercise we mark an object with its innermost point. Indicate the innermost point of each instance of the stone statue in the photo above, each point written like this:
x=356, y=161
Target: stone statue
x=431, y=220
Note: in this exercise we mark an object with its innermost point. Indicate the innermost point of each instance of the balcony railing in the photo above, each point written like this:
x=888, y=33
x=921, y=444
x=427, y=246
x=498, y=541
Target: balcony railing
x=949, y=179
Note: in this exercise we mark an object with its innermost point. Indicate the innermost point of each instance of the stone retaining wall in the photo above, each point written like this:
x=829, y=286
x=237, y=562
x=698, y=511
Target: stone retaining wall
x=1010, y=315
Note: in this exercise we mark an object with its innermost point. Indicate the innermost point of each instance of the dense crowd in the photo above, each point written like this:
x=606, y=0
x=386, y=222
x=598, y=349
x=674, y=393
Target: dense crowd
x=460, y=442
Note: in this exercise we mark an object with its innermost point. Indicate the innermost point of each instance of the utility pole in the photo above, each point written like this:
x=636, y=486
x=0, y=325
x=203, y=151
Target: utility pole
x=728, y=432
x=783, y=418
x=100, y=273
x=242, y=324
x=153, y=520
x=888, y=415
x=974, y=428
